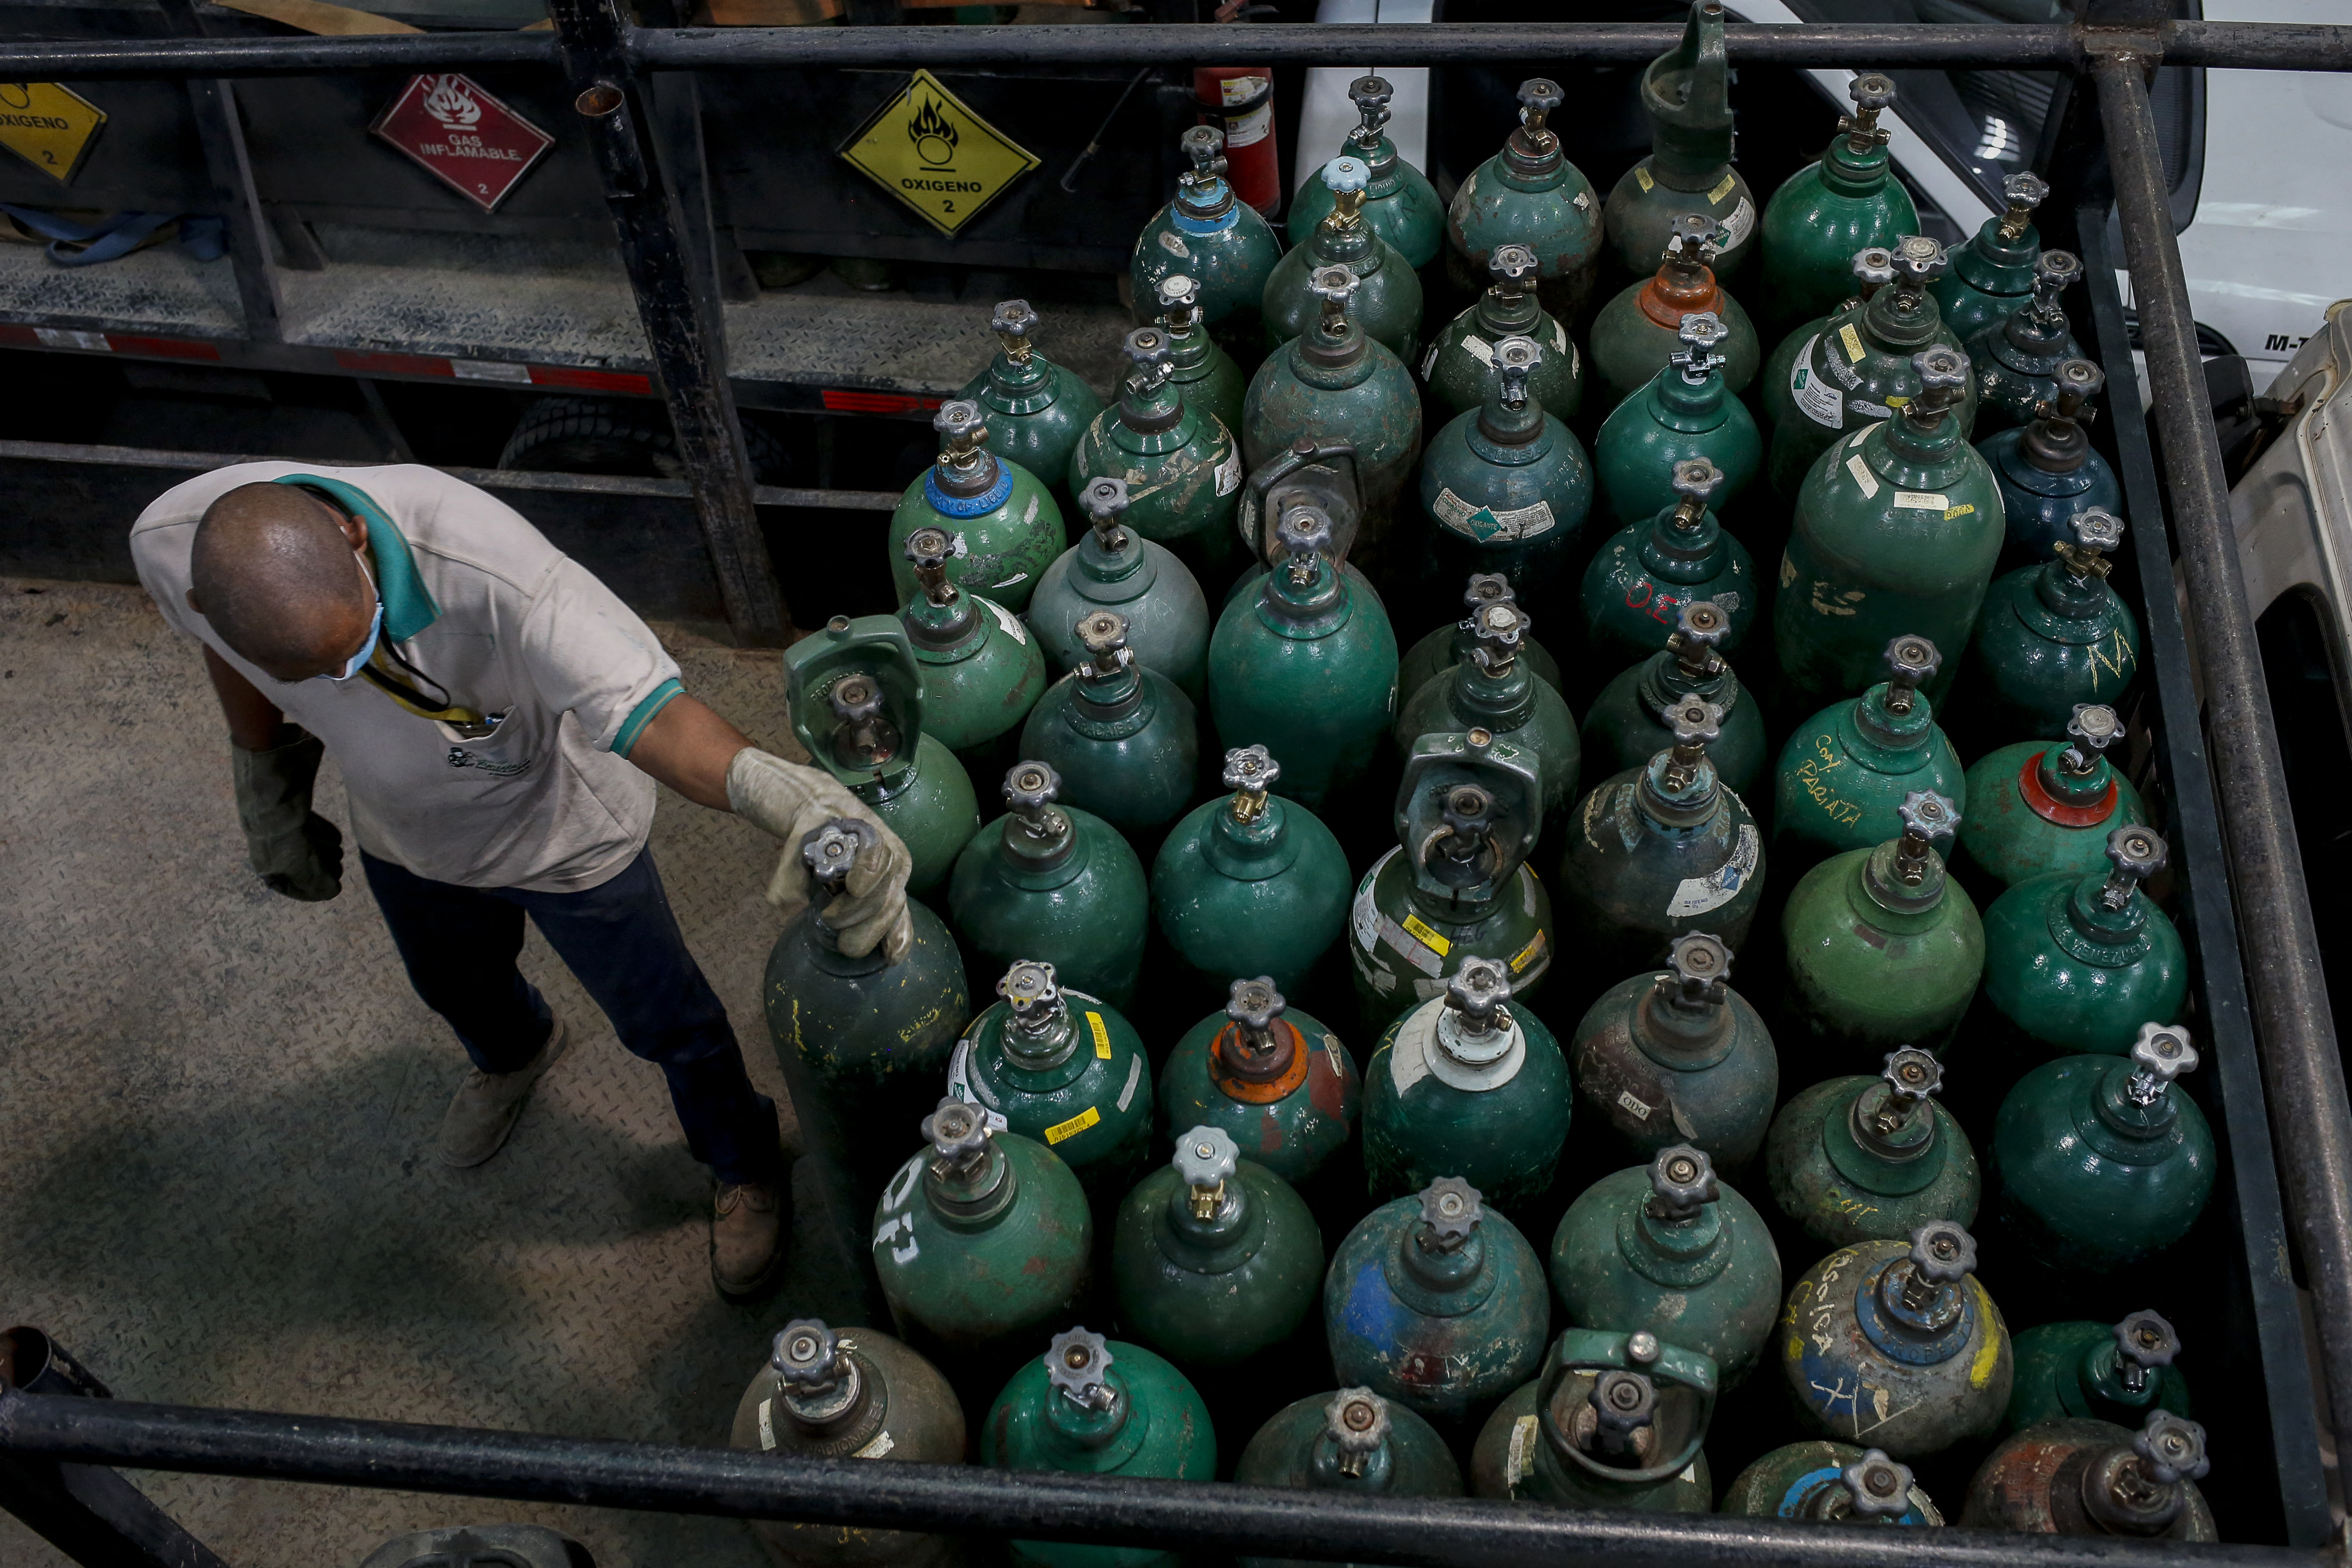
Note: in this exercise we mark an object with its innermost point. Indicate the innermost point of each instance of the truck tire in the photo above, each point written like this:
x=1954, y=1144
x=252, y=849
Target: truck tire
x=613, y=436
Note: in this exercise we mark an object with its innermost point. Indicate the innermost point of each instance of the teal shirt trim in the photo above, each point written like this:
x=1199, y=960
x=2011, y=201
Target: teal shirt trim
x=643, y=714
x=408, y=607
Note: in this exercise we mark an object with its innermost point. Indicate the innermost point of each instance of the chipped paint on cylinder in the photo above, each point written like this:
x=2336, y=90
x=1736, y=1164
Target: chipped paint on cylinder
x=1007, y=545
x=979, y=682
x=2069, y=1370
x=973, y=1285
x=2039, y=504
x=1268, y=896
x=1214, y=1293
x=1538, y=1446
x=1865, y=979
x=1504, y=1137
x=1630, y=884
x=1633, y=591
x=2032, y=1484
x=1797, y=1482
x=1710, y=1084
x=1515, y=510
x=1844, y=772
x=1445, y=1333
x=2073, y=976
x=2031, y=663
x=1092, y=1107
x=2016, y=830
x=1295, y=1449
x=1087, y=916
x=1127, y=750
x=1626, y=725
x=1821, y=1177
x=1035, y=413
x=1848, y=1389
x=1290, y=1123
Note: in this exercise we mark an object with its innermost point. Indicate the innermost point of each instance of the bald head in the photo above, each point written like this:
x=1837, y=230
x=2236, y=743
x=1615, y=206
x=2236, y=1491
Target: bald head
x=273, y=571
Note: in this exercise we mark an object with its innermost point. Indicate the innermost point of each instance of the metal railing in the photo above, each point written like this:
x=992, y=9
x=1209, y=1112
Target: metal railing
x=605, y=61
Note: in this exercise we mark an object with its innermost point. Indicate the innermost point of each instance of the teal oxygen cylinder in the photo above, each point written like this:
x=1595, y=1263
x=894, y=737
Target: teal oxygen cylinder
x=982, y=671
x=1123, y=738
x=1035, y=409
x=1114, y=567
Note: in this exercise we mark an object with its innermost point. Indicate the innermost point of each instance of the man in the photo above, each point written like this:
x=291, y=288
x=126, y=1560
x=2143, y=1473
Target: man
x=501, y=717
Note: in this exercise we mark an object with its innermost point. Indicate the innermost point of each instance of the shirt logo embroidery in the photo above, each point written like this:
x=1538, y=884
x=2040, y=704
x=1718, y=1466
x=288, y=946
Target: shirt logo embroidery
x=461, y=758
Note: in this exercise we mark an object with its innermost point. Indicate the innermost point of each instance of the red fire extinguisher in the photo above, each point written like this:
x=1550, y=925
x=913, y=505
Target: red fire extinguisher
x=1239, y=100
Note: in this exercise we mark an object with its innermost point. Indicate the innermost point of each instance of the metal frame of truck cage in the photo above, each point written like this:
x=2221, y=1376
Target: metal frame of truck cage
x=2267, y=1006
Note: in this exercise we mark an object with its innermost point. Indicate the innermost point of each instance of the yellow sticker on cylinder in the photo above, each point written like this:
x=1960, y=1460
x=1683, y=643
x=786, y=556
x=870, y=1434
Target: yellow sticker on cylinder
x=1526, y=955
x=1427, y=937
x=1723, y=187
x=1852, y=340
x=1073, y=1126
x=1102, y=1035
x=1642, y=178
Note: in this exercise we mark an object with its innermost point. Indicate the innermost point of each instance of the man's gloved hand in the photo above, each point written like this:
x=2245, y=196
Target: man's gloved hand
x=297, y=852
x=789, y=802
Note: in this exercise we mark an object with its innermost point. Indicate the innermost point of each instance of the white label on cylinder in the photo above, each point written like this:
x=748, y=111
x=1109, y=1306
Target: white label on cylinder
x=1479, y=349
x=1008, y=621
x=881, y=1445
x=1697, y=895
x=1429, y=361
x=1862, y=476
x=768, y=1424
x=1520, y=1457
x=1134, y=1076
x=1816, y=397
x=1735, y=227
x=1229, y=471
x=1249, y=130
x=1922, y=501
x=1173, y=244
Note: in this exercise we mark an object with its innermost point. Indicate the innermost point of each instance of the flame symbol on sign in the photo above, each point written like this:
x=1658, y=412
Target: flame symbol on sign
x=933, y=134
x=450, y=103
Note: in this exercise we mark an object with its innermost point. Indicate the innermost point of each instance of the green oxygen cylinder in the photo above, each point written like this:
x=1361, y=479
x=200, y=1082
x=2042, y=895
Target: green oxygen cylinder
x=1353, y=1443
x=1638, y=332
x=2038, y=807
x=1208, y=235
x=2047, y=470
x=2100, y=1161
x=1904, y=1323
x=855, y=695
x=1387, y=303
x=1660, y=852
x=1627, y=723
x=1063, y=1069
x=983, y=670
x=1437, y=1303
x=2054, y=636
x=1668, y=1247
x=1856, y=366
x=1276, y=1079
x=1093, y=1407
x=2017, y=359
x=1493, y=691
x=1457, y=887
x=1054, y=883
x=1678, y=1056
x=1685, y=93
x=1213, y=1257
x=1307, y=666
x=1400, y=203
x=1334, y=385
x=1896, y=532
x=1636, y=589
x=860, y=1039
x=1123, y=738
x=1884, y=949
x=1614, y=1420
x=1685, y=412
x=1529, y=194
x=826, y=1395
x=2072, y=962
x=1114, y=567
x=1460, y=359
x=1830, y=1483
x=1011, y=527
x=1873, y=1159
x=1844, y=770
x=1507, y=486
x=1035, y=409
x=1250, y=880
x=1442, y=649
x=1468, y=1086
x=1204, y=374
x=2101, y=1372
x=1831, y=208
x=2094, y=1478
x=1183, y=469
x=981, y=1241
x=1992, y=270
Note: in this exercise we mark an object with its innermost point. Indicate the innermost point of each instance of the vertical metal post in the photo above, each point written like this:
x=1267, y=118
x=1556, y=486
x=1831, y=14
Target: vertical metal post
x=215, y=104
x=2301, y=1068
x=682, y=327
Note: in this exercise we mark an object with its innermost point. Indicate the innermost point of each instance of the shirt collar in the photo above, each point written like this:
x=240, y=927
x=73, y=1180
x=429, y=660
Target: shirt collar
x=408, y=605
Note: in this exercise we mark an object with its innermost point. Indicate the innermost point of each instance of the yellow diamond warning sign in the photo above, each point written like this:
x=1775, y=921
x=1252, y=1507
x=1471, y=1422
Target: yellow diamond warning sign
x=49, y=126
x=936, y=155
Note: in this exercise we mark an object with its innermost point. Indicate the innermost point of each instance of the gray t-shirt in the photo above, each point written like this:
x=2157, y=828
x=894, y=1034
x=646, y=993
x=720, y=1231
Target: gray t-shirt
x=482, y=608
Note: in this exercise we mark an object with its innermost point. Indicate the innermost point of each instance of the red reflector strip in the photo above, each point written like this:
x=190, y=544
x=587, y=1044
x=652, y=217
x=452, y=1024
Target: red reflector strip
x=590, y=380
x=841, y=401
x=23, y=337
x=108, y=343
x=393, y=364
x=163, y=347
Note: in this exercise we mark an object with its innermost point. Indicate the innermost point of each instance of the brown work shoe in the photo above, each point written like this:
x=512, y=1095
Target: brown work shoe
x=747, y=1239
x=488, y=1104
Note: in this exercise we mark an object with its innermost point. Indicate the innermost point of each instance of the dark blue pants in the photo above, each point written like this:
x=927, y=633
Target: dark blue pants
x=622, y=942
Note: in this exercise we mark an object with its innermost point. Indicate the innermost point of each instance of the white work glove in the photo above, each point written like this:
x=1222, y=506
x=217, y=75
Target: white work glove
x=790, y=802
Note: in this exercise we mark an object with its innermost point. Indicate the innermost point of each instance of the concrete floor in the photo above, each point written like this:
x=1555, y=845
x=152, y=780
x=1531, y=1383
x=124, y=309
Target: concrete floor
x=214, y=1136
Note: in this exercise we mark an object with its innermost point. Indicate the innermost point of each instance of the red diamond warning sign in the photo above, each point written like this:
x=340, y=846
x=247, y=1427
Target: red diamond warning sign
x=462, y=135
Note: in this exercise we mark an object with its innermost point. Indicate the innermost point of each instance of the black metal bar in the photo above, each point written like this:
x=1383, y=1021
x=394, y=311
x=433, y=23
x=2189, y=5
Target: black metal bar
x=684, y=331
x=2301, y=1067
x=214, y=104
x=1882, y=45
x=1171, y=1515
x=2193, y=829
